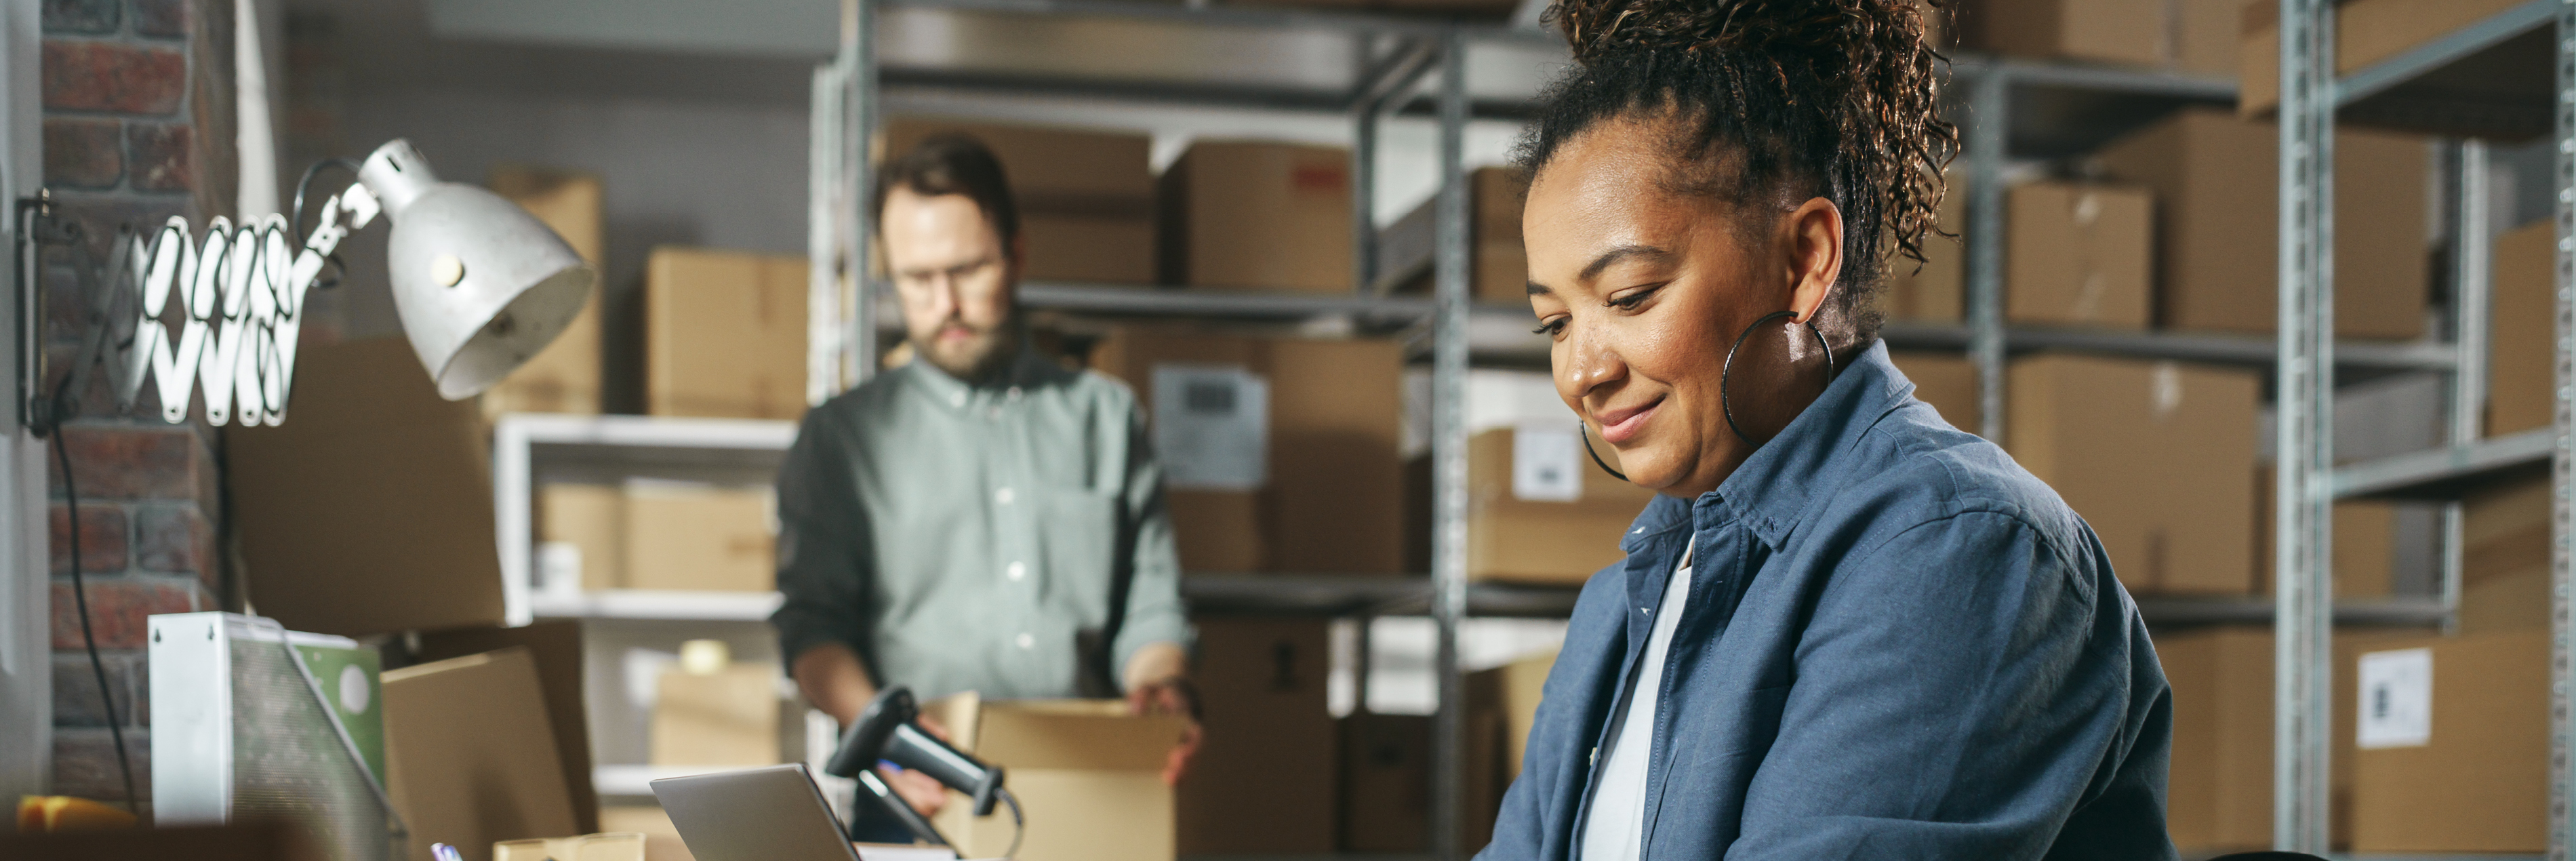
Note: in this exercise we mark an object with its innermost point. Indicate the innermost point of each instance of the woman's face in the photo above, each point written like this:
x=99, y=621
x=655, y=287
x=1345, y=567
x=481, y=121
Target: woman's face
x=1643, y=289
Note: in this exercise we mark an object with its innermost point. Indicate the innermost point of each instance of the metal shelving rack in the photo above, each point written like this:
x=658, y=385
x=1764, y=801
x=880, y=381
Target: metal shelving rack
x=2013, y=109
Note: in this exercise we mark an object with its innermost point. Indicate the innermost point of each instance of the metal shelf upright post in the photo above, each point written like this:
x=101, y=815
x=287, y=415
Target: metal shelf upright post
x=2303, y=462
x=2562, y=657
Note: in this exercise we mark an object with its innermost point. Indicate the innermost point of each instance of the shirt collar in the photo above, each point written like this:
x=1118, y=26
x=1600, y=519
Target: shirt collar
x=1027, y=370
x=1770, y=491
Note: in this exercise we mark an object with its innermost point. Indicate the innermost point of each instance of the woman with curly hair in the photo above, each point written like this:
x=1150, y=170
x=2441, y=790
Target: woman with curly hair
x=1844, y=629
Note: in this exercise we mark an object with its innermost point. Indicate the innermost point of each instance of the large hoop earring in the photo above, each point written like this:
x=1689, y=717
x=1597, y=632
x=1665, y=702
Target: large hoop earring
x=1585, y=432
x=1726, y=403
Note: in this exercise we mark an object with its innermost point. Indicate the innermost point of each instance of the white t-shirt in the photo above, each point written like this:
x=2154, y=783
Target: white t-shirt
x=1615, y=827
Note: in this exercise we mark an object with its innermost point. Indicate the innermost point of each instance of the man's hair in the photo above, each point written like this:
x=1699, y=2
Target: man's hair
x=952, y=163
x=1769, y=102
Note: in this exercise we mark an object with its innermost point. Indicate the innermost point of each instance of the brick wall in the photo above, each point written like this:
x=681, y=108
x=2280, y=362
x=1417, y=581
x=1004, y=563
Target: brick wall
x=138, y=127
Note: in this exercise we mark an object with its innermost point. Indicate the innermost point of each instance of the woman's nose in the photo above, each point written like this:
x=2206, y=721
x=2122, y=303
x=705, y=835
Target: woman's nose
x=1585, y=362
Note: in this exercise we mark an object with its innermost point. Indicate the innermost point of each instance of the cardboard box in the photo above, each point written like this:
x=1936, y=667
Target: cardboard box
x=661, y=839
x=564, y=377
x=2505, y=575
x=693, y=536
x=1088, y=775
x=724, y=334
x=2217, y=223
x=583, y=526
x=2522, y=347
x=2455, y=754
x=1539, y=511
x=1334, y=429
x=626, y=846
x=1515, y=689
x=1262, y=783
x=2366, y=32
x=2365, y=543
x=2153, y=455
x=2113, y=31
x=728, y=717
x=1498, y=265
x=1946, y=381
x=1256, y=215
x=1386, y=780
x=2219, y=786
x=1085, y=197
x=555, y=646
x=1934, y=290
x=2079, y=255
x=370, y=510
x=470, y=756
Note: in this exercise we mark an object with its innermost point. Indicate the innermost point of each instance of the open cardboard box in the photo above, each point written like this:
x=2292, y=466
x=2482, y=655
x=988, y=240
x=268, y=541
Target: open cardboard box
x=1088, y=776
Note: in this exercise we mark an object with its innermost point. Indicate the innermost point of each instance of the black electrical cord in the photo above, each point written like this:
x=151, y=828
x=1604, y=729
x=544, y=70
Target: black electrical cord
x=1019, y=827
x=295, y=217
x=80, y=600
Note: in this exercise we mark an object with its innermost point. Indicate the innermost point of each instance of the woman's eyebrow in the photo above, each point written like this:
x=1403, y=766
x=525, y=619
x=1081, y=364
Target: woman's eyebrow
x=1621, y=254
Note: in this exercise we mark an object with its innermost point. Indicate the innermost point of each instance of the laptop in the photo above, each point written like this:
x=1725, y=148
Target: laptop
x=766, y=814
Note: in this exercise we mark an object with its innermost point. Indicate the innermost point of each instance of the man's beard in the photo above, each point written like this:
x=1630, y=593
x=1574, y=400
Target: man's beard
x=973, y=360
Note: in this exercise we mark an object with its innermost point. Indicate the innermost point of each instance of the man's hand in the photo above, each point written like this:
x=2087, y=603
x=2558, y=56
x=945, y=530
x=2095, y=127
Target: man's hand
x=1173, y=695
x=923, y=793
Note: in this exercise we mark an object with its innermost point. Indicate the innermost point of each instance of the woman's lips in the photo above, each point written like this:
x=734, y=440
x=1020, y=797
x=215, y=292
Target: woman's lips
x=1622, y=425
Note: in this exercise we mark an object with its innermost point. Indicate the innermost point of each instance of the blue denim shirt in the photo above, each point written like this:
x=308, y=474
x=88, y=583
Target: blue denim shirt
x=1898, y=644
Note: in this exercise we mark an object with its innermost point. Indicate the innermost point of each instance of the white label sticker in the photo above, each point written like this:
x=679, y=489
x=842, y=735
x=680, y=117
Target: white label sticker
x=1546, y=464
x=2396, y=708
x=559, y=568
x=1211, y=426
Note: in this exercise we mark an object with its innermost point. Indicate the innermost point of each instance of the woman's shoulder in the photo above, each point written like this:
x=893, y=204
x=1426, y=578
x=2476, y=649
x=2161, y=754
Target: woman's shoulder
x=1917, y=469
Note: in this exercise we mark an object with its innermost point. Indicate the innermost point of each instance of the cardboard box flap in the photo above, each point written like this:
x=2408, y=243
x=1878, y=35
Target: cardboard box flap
x=1074, y=734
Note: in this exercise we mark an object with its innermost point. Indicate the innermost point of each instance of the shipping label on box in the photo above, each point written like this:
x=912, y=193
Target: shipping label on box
x=2396, y=708
x=1211, y=426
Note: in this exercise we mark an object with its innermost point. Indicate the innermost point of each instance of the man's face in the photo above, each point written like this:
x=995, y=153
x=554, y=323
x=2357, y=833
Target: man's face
x=956, y=280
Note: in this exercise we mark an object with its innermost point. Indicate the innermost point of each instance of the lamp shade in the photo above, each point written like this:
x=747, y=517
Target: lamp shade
x=481, y=285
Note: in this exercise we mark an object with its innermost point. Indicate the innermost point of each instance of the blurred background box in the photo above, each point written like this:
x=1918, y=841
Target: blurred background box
x=1498, y=263
x=2477, y=781
x=582, y=526
x=1947, y=381
x=2154, y=456
x=2079, y=254
x=627, y=846
x=724, y=334
x=1088, y=775
x=471, y=758
x=1257, y=215
x=2366, y=32
x=1262, y=783
x=2522, y=349
x=725, y=716
x=1086, y=198
x=681, y=535
x=1513, y=689
x=2365, y=547
x=2214, y=178
x=2192, y=36
x=555, y=647
x=370, y=510
x=1539, y=510
x=565, y=376
x=1335, y=430
x=2219, y=792
x=2505, y=577
x=1386, y=778
x=1933, y=290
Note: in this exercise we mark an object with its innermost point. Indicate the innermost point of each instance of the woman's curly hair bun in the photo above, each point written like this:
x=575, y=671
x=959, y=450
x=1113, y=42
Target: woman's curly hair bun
x=1834, y=98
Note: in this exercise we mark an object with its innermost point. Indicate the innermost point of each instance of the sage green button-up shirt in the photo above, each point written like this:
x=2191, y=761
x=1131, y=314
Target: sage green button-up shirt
x=1008, y=538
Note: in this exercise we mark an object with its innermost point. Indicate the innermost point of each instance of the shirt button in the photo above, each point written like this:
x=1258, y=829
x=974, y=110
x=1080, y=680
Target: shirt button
x=1013, y=393
x=1002, y=496
x=956, y=399
x=1017, y=571
x=1028, y=642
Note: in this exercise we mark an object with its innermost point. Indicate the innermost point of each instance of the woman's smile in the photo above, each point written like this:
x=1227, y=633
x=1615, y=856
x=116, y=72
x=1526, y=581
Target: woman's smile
x=1624, y=424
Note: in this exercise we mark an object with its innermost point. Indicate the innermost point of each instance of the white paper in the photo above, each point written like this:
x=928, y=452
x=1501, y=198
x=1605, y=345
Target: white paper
x=873, y=852
x=1547, y=463
x=2396, y=708
x=1211, y=426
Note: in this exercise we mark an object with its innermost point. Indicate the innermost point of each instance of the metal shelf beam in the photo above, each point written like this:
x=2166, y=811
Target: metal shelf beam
x=2448, y=472
x=2181, y=346
x=2457, y=45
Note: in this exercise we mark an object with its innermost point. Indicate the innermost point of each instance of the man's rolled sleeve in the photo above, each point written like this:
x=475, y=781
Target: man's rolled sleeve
x=1154, y=612
x=823, y=572
x=1956, y=694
